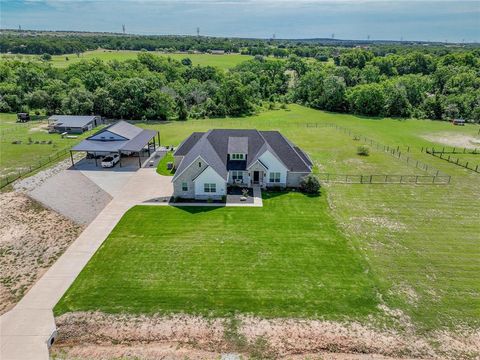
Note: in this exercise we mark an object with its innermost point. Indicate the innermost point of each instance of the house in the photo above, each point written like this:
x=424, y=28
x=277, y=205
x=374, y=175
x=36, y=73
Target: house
x=73, y=124
x=122, y=138
x=207, y=162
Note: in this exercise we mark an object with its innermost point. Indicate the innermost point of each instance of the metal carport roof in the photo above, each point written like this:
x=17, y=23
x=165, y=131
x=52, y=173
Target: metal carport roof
x=135, y=144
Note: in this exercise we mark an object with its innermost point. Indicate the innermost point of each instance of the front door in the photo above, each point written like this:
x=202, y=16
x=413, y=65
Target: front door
x=256, y=176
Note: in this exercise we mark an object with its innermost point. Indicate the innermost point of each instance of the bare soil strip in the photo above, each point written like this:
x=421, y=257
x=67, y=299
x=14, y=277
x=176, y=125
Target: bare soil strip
x=105, y=336
x=31, y=239
x=454, y=140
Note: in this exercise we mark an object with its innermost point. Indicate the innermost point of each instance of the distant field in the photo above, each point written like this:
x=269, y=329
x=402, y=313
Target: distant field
x=225, y=61
x=419, y=242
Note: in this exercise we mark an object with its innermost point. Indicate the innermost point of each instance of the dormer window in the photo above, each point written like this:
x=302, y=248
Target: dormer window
x=237, y=156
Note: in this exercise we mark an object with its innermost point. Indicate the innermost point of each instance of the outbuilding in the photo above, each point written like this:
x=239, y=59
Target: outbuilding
x=73, y=124
x=122, y=138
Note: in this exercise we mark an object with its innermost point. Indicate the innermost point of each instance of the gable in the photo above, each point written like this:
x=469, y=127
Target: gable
x=272, y=162
x=209, y=175
x=106, y=135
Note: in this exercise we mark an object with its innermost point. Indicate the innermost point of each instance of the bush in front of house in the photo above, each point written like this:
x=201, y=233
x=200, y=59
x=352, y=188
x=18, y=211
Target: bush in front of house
x=363, y=150
x=310, y=184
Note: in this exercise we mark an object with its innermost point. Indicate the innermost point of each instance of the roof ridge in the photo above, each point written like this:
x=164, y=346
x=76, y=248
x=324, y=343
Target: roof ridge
x=293, y=147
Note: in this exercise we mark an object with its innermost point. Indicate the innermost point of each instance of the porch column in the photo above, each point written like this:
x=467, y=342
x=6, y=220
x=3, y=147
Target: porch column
x=120, y=158
x=71, y=158
x=95, y=157
x=139, y=160
x=158, y=136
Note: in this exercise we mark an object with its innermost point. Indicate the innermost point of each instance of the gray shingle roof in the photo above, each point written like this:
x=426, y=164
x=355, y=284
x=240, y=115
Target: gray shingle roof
x=238, y=145
x=72, y=120
x=188, y=143
x=215, y=145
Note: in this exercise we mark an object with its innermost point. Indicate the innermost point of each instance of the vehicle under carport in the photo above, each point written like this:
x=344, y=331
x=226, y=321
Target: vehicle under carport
x=122, y=138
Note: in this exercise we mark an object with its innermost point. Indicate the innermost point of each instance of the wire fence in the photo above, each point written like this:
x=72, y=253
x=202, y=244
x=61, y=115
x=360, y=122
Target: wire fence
x=400, y=153
x=8, y=179
x=384, y=179
x=456, y=160
x=452, y=150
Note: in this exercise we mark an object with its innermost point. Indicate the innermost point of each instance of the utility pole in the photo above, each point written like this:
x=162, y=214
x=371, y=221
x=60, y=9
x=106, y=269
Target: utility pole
x=368, y=37
x=123, y=29
x=198, y=31
x=333, y=36
x=19, y=27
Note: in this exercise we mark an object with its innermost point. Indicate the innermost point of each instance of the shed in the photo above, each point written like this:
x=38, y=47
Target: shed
x=73, y=124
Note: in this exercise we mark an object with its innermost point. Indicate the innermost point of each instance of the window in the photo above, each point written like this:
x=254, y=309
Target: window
x=237, y=156
x=237, y=175
x=210, y=188
x=274, y=177
x=184, y=186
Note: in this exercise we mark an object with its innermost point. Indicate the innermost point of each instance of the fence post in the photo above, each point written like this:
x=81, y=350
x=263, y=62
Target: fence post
x=416, y=179
x=401, y=178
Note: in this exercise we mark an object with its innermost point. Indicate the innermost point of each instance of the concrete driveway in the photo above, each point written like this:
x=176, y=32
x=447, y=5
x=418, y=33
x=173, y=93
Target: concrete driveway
x=26, y=329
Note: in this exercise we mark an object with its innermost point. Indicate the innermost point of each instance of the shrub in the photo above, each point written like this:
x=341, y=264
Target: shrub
x=363, y=150
x=310, y=184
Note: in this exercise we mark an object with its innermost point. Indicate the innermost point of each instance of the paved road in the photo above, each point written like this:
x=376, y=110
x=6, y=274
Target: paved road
x=25, y=330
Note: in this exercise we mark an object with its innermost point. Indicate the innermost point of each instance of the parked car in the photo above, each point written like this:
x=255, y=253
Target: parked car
x=110, y=160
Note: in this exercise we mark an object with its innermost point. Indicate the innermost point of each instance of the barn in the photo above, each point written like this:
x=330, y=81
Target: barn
x=73, y=124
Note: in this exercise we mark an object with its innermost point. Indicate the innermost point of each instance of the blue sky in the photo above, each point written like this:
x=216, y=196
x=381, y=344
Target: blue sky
x=434, y=20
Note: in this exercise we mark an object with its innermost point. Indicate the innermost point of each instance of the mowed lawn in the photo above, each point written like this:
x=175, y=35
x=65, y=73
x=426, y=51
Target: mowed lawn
x=421, y=243
x=285, y=259
x=222, y=61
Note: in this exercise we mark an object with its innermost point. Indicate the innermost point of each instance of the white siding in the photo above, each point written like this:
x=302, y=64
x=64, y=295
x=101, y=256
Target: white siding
x=274, y=165
x=210, y=176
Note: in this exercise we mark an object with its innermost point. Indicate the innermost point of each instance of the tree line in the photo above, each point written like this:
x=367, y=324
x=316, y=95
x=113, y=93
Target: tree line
x=407, y=84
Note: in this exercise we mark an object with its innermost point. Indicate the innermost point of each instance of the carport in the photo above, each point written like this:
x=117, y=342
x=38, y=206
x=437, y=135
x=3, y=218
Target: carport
x=121, y=138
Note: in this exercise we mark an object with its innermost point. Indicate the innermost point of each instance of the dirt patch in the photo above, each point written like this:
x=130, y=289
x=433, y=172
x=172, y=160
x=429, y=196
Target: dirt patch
x=454, y=140
x=105, y=336
x=31, y=239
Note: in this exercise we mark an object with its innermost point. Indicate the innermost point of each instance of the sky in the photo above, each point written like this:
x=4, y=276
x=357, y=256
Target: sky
x=427, y=20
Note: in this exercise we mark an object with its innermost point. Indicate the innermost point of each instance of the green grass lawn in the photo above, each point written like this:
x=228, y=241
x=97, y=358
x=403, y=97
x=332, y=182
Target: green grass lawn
x=225, y=61
x=162, y=165
x=19, y=157
x=420, y=243
x=217, y=261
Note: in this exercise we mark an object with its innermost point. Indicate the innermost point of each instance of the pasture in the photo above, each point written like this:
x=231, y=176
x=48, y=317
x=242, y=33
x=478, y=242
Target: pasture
x=414, y=248
x=34, y=146
x=222, y=61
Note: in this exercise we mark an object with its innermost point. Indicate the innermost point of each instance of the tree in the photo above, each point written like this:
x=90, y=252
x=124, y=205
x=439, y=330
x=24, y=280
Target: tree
x=366, y=99
x=396, y=101
x=186, y=62
x=46, y=57
x=37, y=99
x=160, y=105
x=78, y=102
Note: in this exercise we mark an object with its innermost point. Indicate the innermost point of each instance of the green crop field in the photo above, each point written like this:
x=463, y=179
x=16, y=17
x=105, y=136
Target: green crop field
x=410, y=247
x=223, y=61
x=16, y=158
